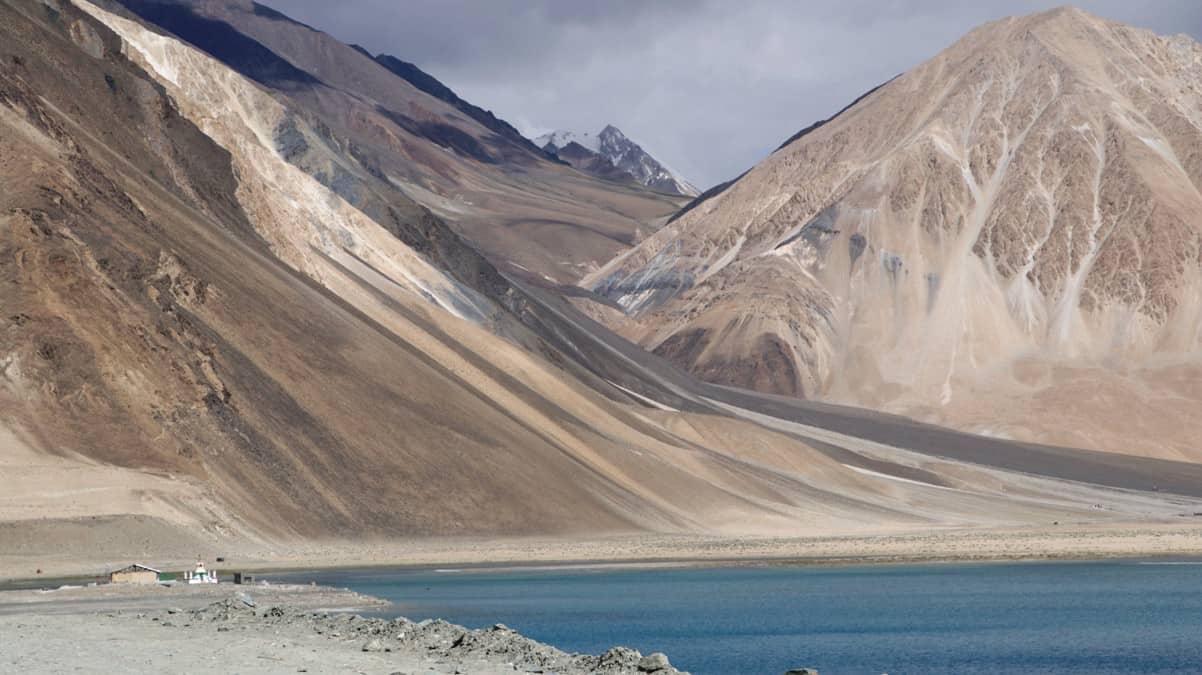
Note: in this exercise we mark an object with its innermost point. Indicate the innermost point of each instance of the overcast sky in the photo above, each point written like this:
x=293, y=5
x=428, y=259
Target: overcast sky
x=708, y=86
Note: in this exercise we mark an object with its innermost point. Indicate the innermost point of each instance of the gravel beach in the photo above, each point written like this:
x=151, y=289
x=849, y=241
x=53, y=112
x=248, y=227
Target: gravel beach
x=264, y=629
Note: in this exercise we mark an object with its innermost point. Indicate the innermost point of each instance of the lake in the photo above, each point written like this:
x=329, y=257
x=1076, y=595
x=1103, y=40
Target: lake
x=1069, y=617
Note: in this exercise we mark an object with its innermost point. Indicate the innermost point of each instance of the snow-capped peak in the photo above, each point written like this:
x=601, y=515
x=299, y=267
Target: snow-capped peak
x=562, y=138
x=620, y=155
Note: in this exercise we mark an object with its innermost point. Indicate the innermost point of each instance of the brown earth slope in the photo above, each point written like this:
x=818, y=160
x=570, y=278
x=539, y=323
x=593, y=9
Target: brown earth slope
x=149, y=327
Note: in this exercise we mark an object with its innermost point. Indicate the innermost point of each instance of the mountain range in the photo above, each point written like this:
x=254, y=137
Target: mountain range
x=263, y=289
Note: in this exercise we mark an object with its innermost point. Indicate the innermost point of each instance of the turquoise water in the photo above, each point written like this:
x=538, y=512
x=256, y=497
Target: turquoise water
x=1089, y=617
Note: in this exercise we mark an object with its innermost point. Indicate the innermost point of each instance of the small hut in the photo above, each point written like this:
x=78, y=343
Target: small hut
x=135, y=574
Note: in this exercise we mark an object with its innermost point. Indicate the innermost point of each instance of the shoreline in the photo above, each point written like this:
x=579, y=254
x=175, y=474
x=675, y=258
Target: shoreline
x=1082, y=542
x=51, y=584
x=703, y=563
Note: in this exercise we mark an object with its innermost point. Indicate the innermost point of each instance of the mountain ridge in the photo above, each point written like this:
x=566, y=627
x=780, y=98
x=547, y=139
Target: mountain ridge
x=431, y=85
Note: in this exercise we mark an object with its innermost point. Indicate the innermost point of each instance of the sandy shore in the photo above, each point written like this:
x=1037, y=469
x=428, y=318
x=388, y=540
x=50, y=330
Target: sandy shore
x=1059, y=542
x=263, y=629
x=1067, y=541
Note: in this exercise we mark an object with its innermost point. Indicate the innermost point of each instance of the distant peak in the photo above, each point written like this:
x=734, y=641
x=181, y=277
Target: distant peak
x=620, y=152
x=562, y=137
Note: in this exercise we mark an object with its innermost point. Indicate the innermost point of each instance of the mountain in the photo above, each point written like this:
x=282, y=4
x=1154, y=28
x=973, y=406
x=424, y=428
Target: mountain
x=227, y=328
x=203, y=341
x=409, y=135
x=1005, y=239
x=613, y=156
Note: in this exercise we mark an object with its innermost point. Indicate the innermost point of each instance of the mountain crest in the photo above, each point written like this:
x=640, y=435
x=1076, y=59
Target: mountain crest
x=1065, y=15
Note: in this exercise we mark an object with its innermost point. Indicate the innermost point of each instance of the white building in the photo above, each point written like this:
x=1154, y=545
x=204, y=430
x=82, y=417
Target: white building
x=200, y=575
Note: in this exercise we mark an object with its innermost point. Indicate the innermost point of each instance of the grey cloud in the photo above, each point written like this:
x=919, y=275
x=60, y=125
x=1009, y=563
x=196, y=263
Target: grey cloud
x=709, y=86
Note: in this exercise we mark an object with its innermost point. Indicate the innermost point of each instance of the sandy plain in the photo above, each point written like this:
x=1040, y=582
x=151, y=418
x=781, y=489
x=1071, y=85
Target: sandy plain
x=1066, y=541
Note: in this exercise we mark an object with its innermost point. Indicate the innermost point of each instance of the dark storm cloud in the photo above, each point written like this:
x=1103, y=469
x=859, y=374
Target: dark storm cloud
x=709, y=86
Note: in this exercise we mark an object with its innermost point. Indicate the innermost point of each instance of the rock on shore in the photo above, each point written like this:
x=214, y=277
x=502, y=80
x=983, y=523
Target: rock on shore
x=441, y=646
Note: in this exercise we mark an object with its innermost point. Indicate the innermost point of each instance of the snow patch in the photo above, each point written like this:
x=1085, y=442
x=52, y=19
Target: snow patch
x=899, y=479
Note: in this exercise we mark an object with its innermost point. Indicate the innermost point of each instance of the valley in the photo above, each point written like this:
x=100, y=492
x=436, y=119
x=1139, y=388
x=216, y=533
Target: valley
x=269, y=296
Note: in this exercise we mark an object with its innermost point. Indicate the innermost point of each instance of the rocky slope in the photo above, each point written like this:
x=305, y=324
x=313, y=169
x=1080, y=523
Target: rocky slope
x=613, y=156
x=403, y=136
x=205, y=336
x=1005, y=238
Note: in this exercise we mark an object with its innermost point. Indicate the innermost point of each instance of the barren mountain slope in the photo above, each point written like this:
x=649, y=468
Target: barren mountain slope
x=1004, y=239
x=497, y=189
x=153, y=332
x=150, y=328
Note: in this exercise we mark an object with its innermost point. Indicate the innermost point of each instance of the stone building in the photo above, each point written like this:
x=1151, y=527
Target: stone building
x=135, y=574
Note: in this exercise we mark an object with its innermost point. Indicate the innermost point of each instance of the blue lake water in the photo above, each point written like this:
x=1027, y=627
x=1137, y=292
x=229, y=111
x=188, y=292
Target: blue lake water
x=1082, y=617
